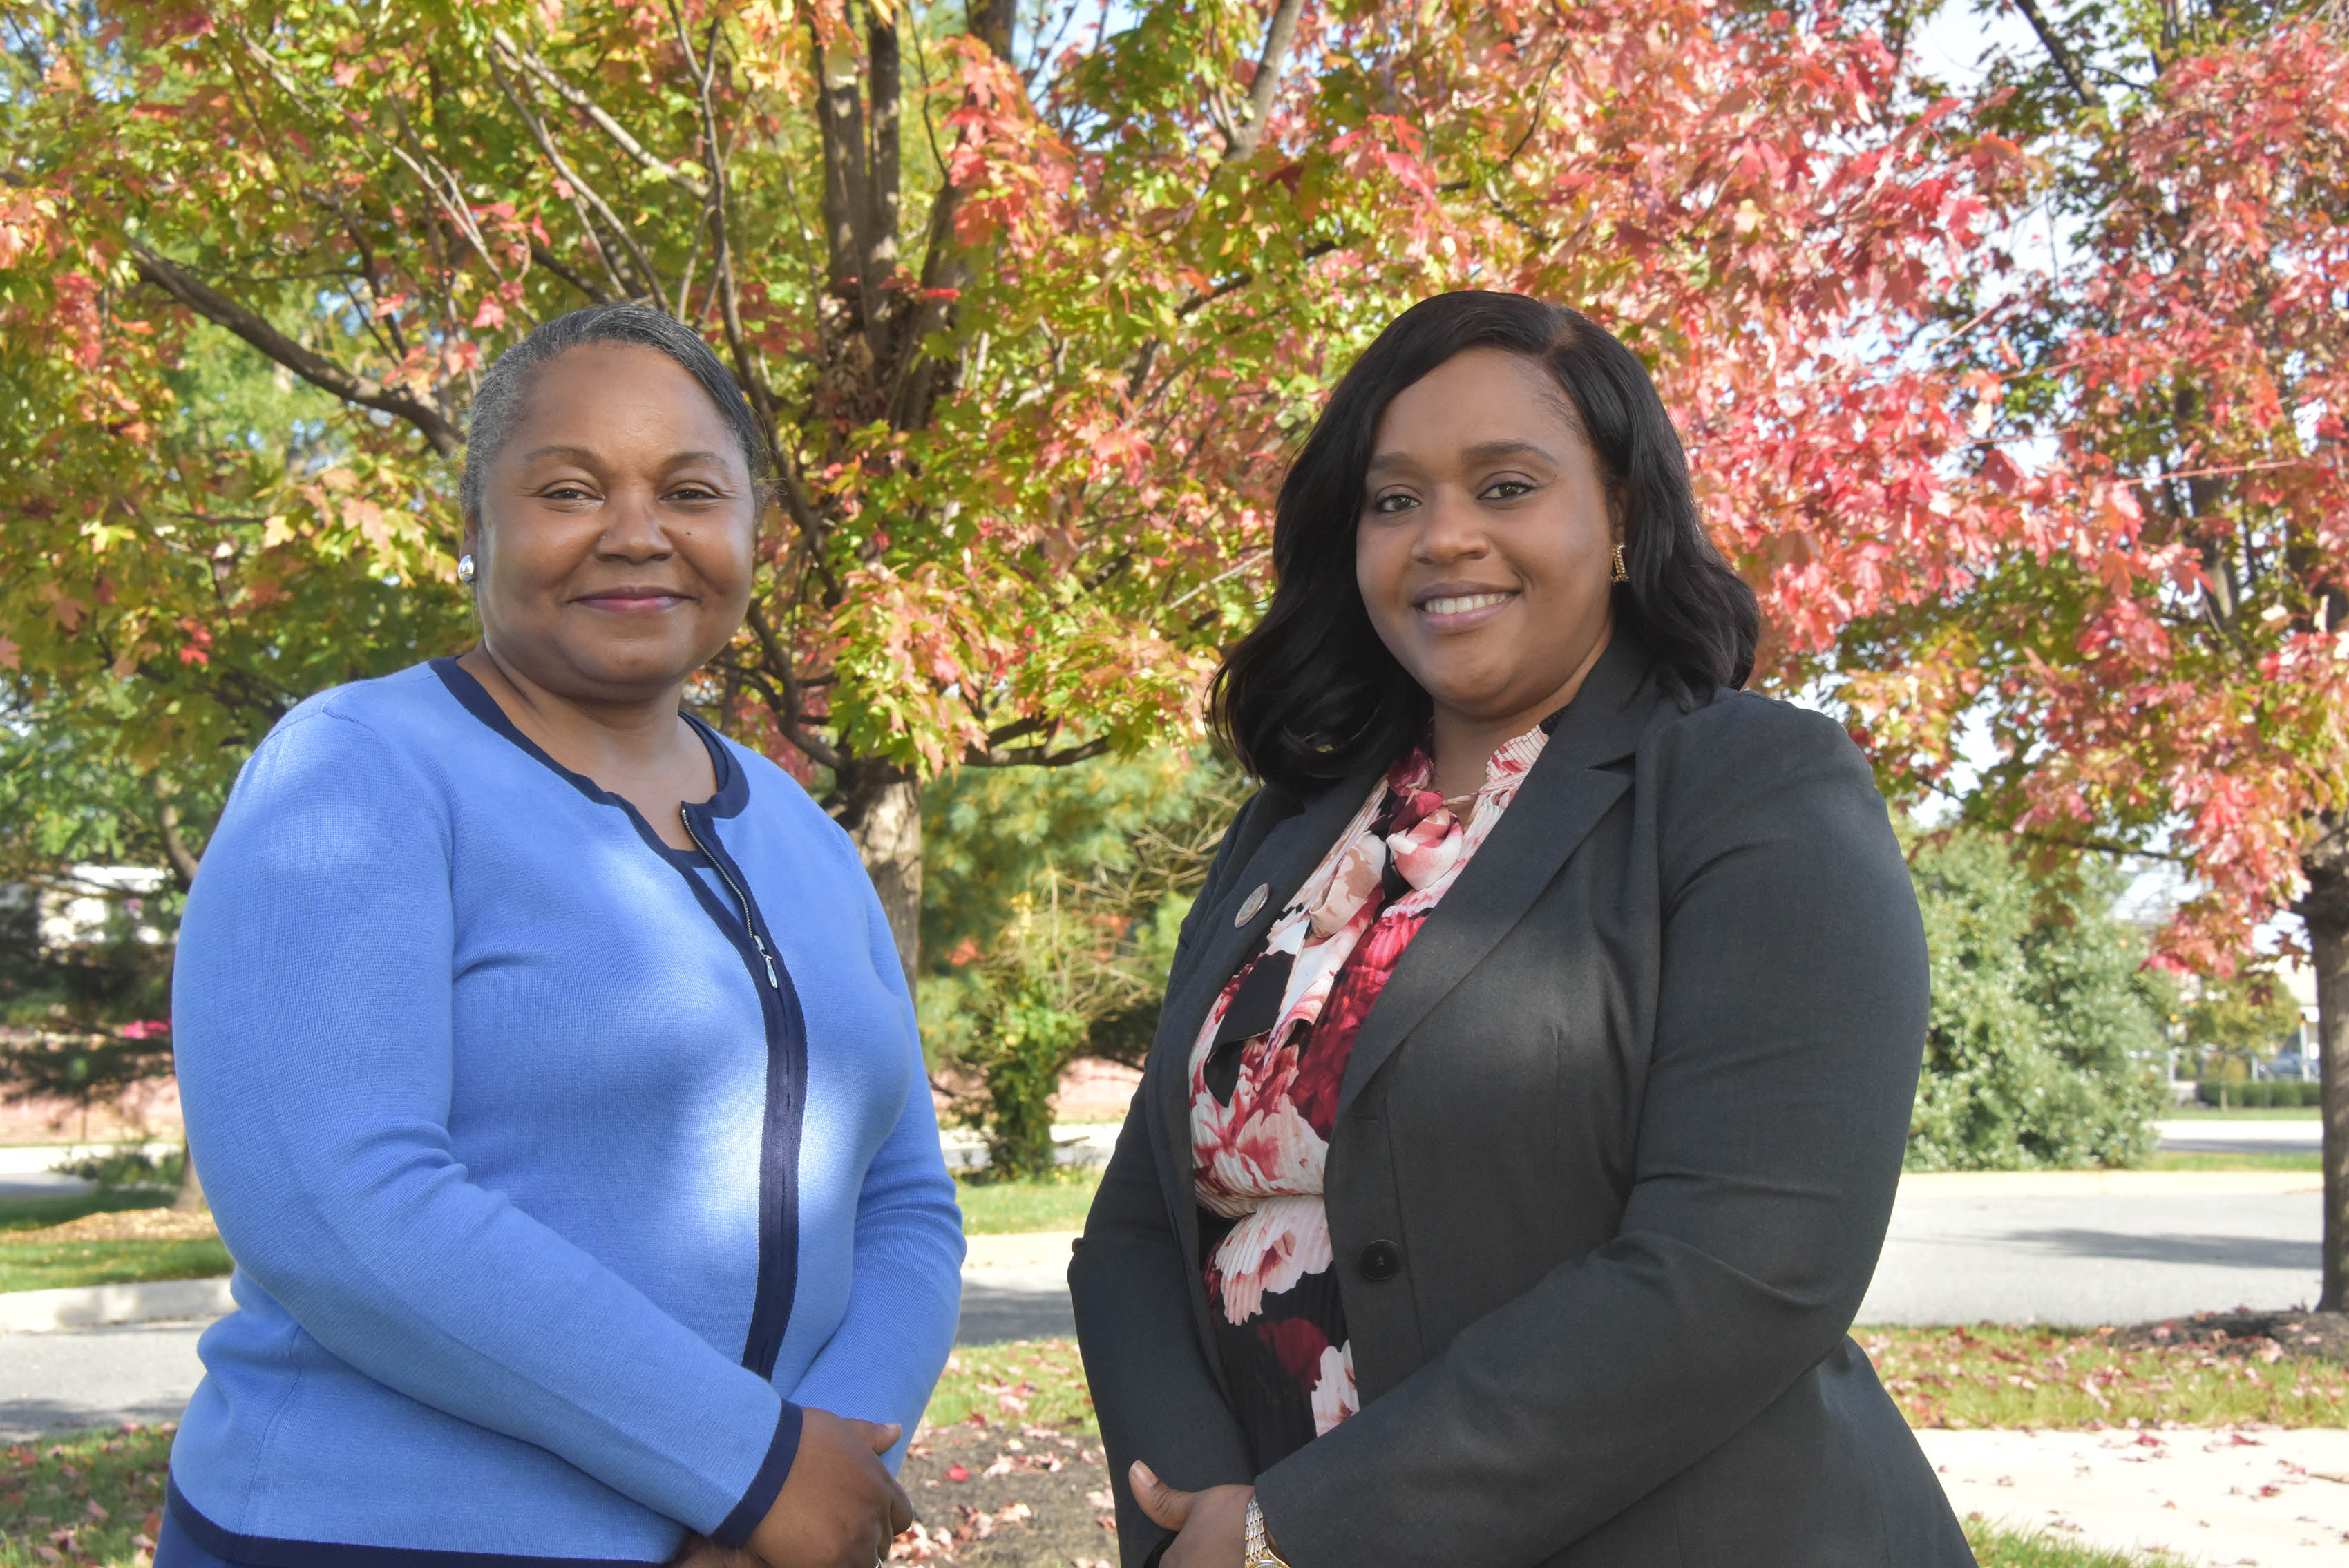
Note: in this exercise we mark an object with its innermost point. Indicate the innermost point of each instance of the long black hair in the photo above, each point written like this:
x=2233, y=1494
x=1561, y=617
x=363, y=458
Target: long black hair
x=1311, y=692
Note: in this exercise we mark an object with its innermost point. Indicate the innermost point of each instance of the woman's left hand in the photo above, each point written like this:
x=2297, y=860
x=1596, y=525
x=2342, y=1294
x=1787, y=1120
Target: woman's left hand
x=1210, y=1527
x=700, y=1552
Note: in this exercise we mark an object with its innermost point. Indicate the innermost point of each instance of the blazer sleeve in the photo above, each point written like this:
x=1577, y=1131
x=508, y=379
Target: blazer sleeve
x=1790, y=1016
x=1156, y=1398
x=905, y=1292
x=311, y=1011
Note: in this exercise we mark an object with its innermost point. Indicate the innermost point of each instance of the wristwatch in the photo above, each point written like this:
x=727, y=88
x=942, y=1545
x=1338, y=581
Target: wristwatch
x=1255, y=1546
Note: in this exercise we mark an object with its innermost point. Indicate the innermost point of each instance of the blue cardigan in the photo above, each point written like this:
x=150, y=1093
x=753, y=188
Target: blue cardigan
x=556, y=1187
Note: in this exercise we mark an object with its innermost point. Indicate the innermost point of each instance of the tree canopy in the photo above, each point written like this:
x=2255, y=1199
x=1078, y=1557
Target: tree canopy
x=2150, y=621
x=1035, y=313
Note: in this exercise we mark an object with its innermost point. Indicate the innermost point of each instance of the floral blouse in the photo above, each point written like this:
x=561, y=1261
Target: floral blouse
x=1265, y=1076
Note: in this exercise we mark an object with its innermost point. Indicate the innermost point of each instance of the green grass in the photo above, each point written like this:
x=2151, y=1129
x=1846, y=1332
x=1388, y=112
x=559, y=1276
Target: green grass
x=1054, y=1202
x=1987, y=1375
x=88, y=1498
x=2240, y=1113
x=2294, y=1160
x=26, y=1267
x=44, y=1266
x=1996, y=1546
x=1028, y=1381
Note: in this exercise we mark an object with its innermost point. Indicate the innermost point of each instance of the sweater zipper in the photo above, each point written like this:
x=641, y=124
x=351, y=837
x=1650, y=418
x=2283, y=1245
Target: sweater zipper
x=742, y=902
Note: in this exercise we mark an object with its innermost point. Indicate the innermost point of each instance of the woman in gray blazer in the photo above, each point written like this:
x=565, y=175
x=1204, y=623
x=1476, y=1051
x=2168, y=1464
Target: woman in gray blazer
x=1528, y=1101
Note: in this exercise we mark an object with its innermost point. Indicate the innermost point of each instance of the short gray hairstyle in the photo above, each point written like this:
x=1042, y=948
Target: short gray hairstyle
x=504, y=392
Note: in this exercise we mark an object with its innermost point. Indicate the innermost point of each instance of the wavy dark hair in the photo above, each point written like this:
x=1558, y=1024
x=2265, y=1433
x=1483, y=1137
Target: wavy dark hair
x=1311, y=692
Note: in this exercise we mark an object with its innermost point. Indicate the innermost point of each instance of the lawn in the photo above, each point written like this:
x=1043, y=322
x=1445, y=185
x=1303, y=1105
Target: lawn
x=1996, y=1547
x=1992, y=1376
x=1054, y=1202
x=2243, y=1113
x=32, y=1257
x=2292, y=1160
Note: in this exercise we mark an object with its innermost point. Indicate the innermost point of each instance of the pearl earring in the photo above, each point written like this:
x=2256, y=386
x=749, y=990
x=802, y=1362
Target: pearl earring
x=464, y=569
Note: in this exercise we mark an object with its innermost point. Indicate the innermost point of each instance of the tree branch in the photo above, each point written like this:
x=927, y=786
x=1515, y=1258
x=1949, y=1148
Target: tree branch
x=540, y=256
x=685, y=179
x=648, y=281
x=1278, y=36
x=167, y=826
x=779, y=660
x=2056, y=49
x=1033, y=756
x=883, y=194
x=918, y=378
x=847, y=191
x=315, y=368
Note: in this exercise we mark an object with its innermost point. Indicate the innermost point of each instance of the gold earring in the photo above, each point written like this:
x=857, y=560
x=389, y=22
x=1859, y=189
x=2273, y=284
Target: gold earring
x=1620, y=575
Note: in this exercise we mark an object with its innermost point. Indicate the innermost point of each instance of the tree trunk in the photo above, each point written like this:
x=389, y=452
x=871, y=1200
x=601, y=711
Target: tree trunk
x=884, y=818
x=191, y=1200
x=2326, y=911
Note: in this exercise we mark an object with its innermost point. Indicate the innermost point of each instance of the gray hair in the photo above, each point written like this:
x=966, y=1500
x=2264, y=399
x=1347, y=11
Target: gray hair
x=504, y=393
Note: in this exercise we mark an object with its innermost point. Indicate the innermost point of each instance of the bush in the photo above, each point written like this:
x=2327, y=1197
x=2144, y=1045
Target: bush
x=1051, y=903
x=2045, y=1025
x=2255, y=1094
x=128, y=1165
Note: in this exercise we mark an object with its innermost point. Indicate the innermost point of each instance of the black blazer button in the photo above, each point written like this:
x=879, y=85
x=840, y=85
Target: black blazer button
x=1380, y=1261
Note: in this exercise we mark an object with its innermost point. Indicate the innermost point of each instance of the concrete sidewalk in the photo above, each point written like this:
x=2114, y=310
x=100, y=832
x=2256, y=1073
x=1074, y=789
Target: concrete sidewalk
x=2262, y=1496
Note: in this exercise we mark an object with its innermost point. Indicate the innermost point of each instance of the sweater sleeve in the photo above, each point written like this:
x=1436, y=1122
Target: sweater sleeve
x=311, y=1006
x=905, y=1297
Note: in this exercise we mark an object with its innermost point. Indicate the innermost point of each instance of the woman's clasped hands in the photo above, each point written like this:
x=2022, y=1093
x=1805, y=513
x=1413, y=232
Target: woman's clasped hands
x=1210, y=1526
x=840, y=1507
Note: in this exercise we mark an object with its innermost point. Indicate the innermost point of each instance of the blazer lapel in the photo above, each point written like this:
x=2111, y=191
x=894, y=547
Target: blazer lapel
x=1280, y=864
x=1562, y=799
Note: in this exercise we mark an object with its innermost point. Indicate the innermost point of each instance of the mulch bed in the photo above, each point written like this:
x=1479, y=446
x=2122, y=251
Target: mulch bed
x=992, y=1492
x=2264, y=1336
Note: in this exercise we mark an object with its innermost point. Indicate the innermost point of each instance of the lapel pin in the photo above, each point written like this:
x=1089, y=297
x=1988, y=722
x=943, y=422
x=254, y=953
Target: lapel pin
x=1254, y=902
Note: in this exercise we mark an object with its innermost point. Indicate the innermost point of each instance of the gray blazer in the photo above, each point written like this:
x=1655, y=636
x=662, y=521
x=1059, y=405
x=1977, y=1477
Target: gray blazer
x=1614, y=1157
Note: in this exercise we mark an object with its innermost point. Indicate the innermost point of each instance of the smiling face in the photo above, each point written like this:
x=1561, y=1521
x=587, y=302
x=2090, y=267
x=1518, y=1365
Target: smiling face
x=1484, y=546
x=618, y=521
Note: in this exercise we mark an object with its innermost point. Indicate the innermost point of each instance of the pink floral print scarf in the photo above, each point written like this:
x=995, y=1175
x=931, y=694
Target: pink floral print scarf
x=1264, y=1076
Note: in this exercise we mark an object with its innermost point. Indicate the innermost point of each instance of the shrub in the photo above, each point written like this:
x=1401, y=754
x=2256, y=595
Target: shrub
x=1051, y=903
x=2045, y=1025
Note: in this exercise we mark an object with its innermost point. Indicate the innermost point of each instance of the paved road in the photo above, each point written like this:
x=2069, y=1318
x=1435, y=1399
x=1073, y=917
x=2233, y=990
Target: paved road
x=2095, y=1260
x=2212, y=1136
x=96, y=1377
x=2081, y=1260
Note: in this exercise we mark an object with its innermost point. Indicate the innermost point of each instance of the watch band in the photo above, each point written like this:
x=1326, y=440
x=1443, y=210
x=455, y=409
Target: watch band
x=1255, y=1546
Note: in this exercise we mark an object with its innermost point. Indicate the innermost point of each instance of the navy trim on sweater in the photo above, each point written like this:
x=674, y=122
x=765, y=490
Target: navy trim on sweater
x=779, y=1001
x=778, y=1147
x=733, y=784
x=767, y=1484
x=270, y=1551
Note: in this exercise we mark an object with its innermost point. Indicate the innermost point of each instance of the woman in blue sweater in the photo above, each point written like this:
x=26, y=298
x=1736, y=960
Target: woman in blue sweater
x=549, y=1062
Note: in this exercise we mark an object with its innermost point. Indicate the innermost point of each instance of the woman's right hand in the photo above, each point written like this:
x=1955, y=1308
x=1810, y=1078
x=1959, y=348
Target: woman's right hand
x=840, y=1507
